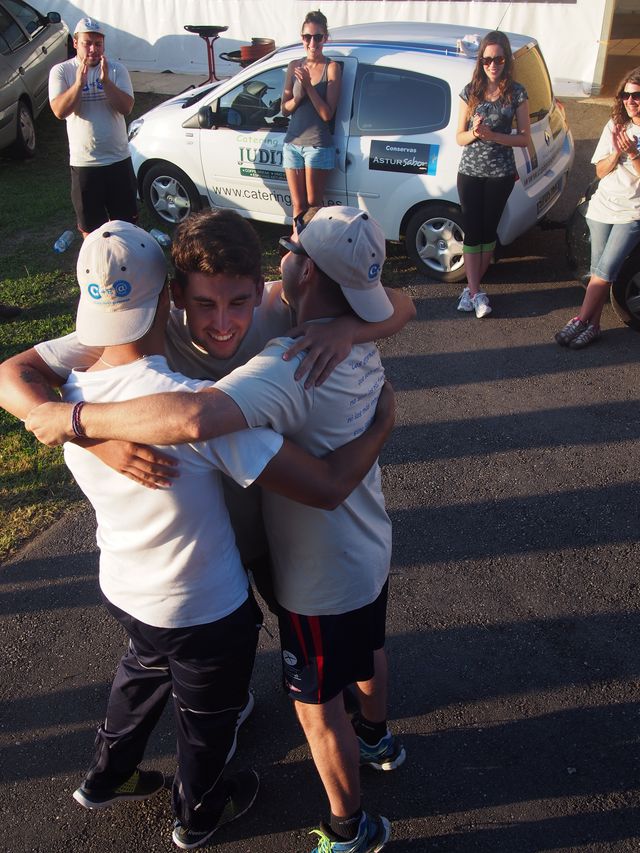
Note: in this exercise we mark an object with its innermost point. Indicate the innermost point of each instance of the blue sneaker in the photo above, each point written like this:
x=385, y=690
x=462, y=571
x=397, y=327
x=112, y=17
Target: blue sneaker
x=387, y=754
x=373, y=834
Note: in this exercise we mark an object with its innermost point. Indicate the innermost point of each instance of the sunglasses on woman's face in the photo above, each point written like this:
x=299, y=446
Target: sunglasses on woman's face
x=633, y=96
x=497, y=60
x=316, y=37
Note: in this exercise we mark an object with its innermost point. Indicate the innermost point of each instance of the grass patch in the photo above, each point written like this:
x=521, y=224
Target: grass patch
x=35, y=486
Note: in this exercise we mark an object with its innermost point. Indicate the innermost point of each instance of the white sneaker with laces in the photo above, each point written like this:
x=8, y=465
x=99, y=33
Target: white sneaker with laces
x=481, y=305
x=465, y=303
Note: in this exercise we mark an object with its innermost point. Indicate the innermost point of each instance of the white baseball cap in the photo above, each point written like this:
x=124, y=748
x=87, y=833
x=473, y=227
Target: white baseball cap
x=349, y=247
x=88, y=25
x=121, y=271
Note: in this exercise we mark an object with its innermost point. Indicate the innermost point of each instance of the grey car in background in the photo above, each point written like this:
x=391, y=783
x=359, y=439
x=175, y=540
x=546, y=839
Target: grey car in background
x=30, y=45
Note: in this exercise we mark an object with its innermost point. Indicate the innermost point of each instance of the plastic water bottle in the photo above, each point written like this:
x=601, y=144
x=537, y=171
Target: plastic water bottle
x=64, y=241
x=160, y=237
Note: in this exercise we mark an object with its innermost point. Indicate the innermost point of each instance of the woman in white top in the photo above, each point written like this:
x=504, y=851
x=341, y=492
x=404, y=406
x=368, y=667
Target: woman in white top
x=613, y=215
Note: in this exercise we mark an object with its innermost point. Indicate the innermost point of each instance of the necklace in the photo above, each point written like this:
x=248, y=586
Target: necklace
x=108, y=363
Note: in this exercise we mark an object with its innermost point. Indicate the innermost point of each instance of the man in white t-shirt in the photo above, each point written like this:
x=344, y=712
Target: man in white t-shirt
x=94, y=95
x=330, y=569
x=170, y=571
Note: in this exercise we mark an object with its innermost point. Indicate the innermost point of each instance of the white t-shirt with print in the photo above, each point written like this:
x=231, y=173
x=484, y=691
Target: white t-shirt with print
x=324, y=562
x=97, y=132
x=168, y=556
x=617, y=198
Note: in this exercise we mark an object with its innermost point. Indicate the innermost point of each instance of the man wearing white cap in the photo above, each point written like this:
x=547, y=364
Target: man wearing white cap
x=94, y=95
x=330, y=568
x=170, y=571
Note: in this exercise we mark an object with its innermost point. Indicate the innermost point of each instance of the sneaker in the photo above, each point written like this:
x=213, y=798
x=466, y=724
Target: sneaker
x=373, y=834
x=387, y=754
x=481, y=305
x=590, y=334
x=465, y=303
x=573, y=328
x=140, y=786
x=242, y=792
x=242, y=716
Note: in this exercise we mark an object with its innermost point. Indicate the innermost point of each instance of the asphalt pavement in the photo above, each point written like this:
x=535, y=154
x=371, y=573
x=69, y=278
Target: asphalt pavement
x=514, y=625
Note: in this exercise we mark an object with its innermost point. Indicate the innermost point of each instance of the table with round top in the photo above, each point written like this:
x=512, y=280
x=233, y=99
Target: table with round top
x=209, y=33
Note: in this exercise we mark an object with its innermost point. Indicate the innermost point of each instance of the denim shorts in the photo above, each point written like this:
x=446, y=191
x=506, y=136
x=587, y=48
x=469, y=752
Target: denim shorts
x=308, y=156
x=610, y=246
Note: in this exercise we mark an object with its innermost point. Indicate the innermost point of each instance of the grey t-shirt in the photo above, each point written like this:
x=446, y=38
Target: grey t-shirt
x=305, y=125
x=485, y=159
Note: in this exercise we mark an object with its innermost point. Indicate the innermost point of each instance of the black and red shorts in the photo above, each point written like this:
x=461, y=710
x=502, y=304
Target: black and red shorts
x=321, y=655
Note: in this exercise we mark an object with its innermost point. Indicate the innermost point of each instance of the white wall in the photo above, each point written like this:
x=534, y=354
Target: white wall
x=148, y=35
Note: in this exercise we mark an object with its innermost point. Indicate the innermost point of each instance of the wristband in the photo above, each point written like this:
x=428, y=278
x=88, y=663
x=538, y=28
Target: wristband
x=76, y=426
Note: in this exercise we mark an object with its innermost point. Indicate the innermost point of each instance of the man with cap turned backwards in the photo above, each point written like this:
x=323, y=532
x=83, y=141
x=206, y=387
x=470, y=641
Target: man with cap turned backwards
x=330, y=568
x=94, y=95
x=170, y=571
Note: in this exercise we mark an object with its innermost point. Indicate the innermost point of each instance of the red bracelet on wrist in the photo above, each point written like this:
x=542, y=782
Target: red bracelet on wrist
x=76, y=425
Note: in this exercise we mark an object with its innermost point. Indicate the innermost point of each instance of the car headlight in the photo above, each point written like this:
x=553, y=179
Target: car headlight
x=134, y=128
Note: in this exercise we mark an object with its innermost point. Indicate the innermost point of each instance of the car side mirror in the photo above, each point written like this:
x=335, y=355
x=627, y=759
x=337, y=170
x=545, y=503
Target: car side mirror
x=206, y=118
x=53, y=17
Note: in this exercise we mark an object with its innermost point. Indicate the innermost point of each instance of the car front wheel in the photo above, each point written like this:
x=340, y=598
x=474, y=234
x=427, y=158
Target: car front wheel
x=434, y=239
x=625, y=292
x=25, y=144
x=169, y=193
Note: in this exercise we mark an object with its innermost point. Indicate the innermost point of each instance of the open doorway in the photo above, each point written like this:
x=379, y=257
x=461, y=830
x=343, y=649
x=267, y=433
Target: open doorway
x=623, y=48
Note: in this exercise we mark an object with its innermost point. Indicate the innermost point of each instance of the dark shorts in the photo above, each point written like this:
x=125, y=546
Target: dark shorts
x=101, y=193
x=321, y=655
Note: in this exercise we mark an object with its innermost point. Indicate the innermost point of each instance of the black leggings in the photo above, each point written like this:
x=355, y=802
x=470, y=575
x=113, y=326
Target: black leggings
x=482, y=201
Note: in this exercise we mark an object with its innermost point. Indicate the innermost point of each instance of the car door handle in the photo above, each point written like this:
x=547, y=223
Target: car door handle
x=44, y=49
x=21, y=70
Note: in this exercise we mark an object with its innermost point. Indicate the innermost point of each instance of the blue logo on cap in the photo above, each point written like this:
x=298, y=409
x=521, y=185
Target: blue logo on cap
x=121, y=288
x=118, y=290
x=374, y=271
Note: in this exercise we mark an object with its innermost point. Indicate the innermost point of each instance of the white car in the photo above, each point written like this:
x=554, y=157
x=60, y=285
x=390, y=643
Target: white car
x=394, y=130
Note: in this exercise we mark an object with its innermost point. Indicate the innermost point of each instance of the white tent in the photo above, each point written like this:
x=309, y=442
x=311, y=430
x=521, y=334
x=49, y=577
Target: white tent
x=149, y=35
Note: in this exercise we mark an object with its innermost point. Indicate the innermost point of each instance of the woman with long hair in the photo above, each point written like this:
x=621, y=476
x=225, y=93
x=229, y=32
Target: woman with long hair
x=487, y=171
x=613, y=214
x=310, y=97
